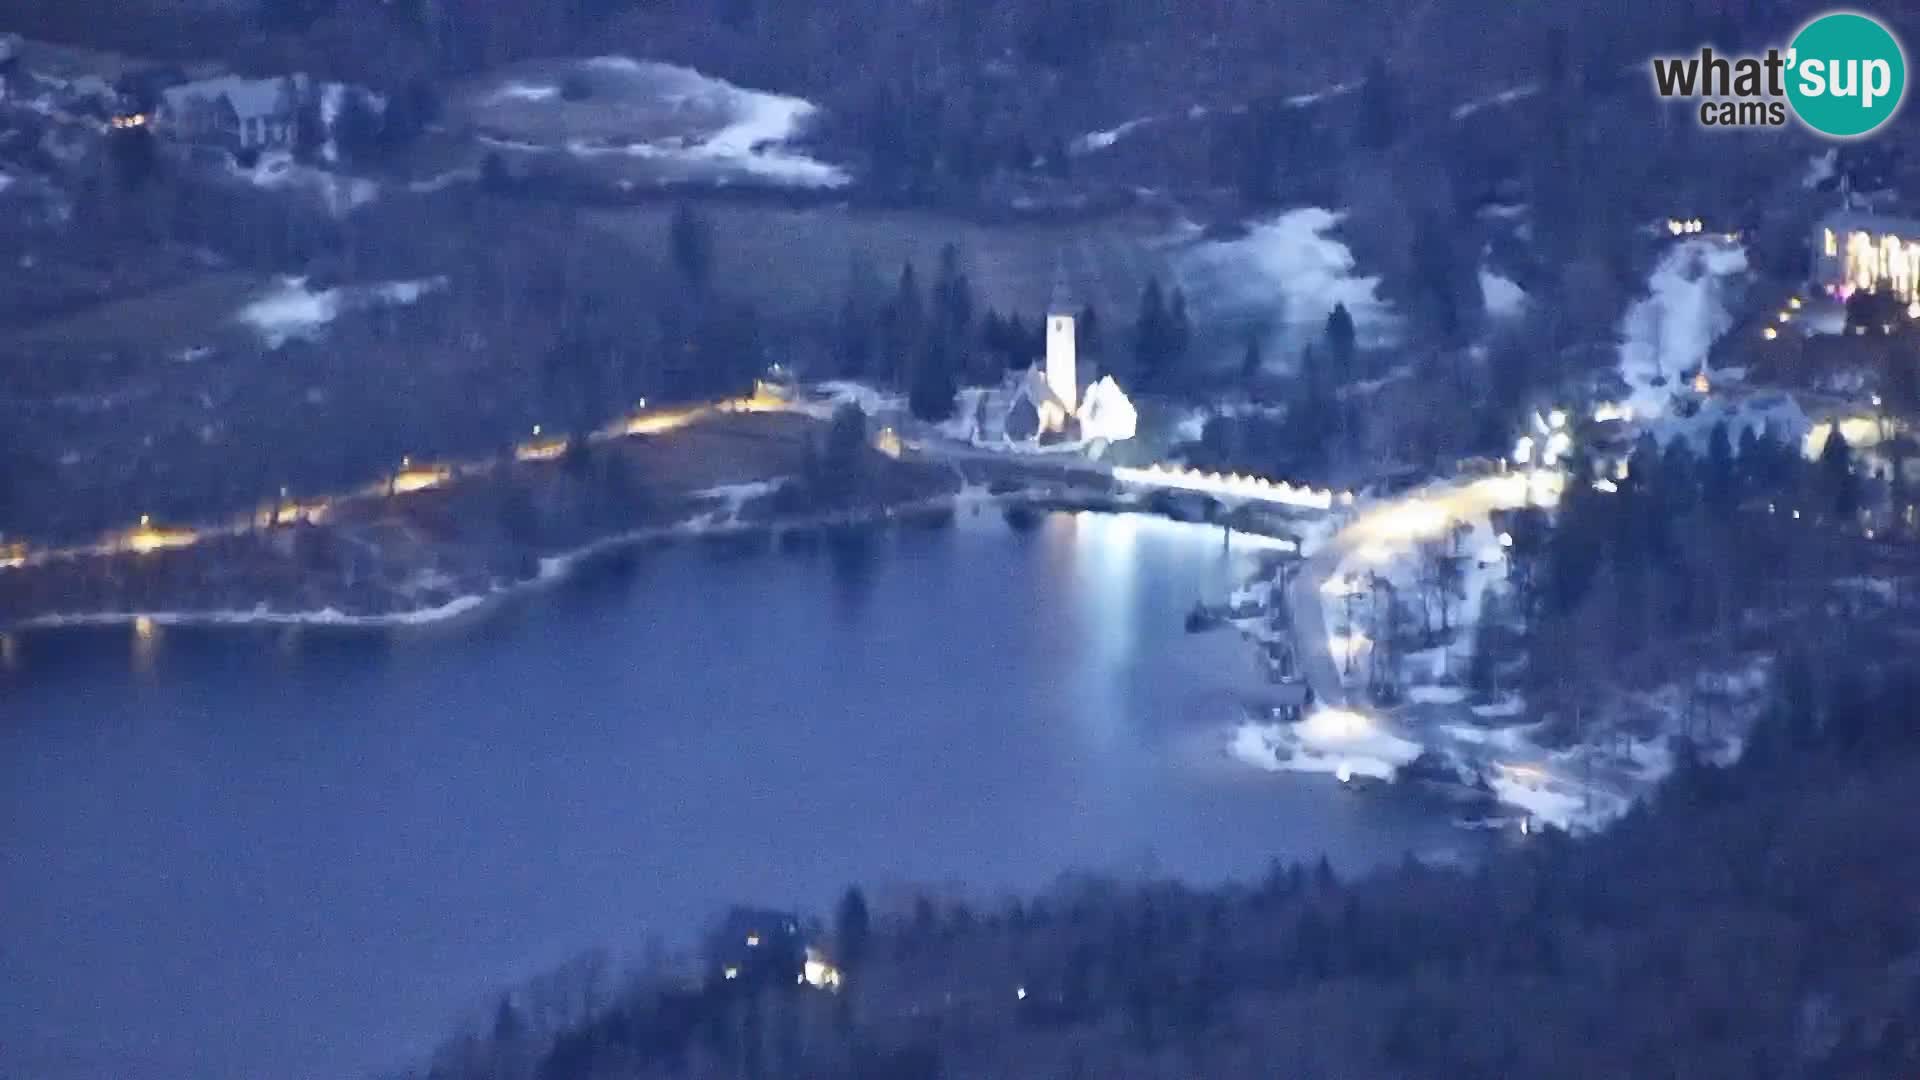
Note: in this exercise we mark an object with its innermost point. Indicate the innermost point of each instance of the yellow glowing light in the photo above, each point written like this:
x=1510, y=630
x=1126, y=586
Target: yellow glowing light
x=143, y=627
x=1701, y=385
x=145, y=520
x=1769, y=333
x=1833, y=244
x=1620, y=470
x=540, y=449
x=817, y=972
x=1786, y=316
x=147, y=538
x=421, y=479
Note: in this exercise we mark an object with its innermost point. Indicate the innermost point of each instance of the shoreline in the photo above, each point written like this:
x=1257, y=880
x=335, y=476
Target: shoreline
x=560, y=567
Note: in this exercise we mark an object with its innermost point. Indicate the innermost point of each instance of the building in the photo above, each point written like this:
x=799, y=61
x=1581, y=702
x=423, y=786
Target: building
x=1058, y=398
x=1062, y=361
x=1855, y=251
x=757, y=948
x=238, y=114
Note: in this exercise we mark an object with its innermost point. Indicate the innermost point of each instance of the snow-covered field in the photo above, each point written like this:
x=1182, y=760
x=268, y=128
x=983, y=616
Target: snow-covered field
x=1336, y=741
x=1504, y=298
x=681, y=123
x=278, y=171
x=1670, y=331
x=293, y=310
x=1495, y=100
x=1293, y=266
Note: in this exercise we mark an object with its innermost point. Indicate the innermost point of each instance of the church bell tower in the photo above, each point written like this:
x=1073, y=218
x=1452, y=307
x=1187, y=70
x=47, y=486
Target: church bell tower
x=1062, y=373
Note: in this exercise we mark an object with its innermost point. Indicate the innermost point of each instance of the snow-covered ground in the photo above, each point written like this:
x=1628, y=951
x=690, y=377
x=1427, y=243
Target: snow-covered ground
x=277, y=171
x=1336, y=741
x=1504, y=298
x=834, y=393
x=725, y=131
x=1670, y=331
x=737, y=496
x=1301, y=101
x=1494, y=101
x=1100, y=140
x=1820, y=169
x=1292, y=262
x=293, y=310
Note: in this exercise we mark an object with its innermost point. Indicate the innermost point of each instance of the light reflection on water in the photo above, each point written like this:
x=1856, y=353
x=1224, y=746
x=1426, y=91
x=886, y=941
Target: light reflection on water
x=333, y=841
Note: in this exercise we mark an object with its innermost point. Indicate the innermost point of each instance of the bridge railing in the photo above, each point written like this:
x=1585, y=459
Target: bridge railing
x=1233, y=486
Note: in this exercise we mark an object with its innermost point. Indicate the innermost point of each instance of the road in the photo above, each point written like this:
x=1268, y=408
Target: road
x=1379, y=532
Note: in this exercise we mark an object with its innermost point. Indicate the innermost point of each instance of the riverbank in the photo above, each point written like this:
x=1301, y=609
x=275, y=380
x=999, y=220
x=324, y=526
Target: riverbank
x=440, y=543
x=472, y=537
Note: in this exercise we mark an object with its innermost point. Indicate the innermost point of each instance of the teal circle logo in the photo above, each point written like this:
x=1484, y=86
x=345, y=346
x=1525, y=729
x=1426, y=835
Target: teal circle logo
x=1846, y=75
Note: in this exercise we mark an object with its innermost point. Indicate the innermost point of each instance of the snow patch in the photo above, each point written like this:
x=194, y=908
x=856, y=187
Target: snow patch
x=1820, y=169
x=1291, y=261
x=1494, y=101
x=1436, y=695
x=753, y=140
x=293, y=310
x=1670, y=332
x=1334, y=741
x=1504, y=298
x=1100, y=140
x=1301, y=101
x=874, y=402
x=520, y=91
x=277, y=171
x=737, y=496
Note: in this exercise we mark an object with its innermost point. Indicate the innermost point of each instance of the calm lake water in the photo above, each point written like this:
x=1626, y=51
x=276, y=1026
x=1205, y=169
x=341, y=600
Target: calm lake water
x=294, y=853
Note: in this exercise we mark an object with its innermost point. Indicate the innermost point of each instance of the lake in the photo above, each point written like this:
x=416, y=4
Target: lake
x=300, y=853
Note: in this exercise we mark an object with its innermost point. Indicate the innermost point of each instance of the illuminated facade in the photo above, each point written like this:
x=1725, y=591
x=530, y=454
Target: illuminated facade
x=1056, y=398
x=1063, y=377
x=1857, y=252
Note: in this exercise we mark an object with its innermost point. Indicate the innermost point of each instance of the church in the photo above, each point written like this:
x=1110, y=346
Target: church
x=1057, y=400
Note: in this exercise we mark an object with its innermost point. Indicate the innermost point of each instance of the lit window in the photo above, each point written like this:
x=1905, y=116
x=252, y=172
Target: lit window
x=1833, y=244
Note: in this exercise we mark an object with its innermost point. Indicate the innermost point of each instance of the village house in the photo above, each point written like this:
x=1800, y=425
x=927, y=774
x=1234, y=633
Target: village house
x=237, y=114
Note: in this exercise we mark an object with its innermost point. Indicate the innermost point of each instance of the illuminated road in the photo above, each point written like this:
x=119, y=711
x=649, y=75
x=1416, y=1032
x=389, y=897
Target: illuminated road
x=1382, y=531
